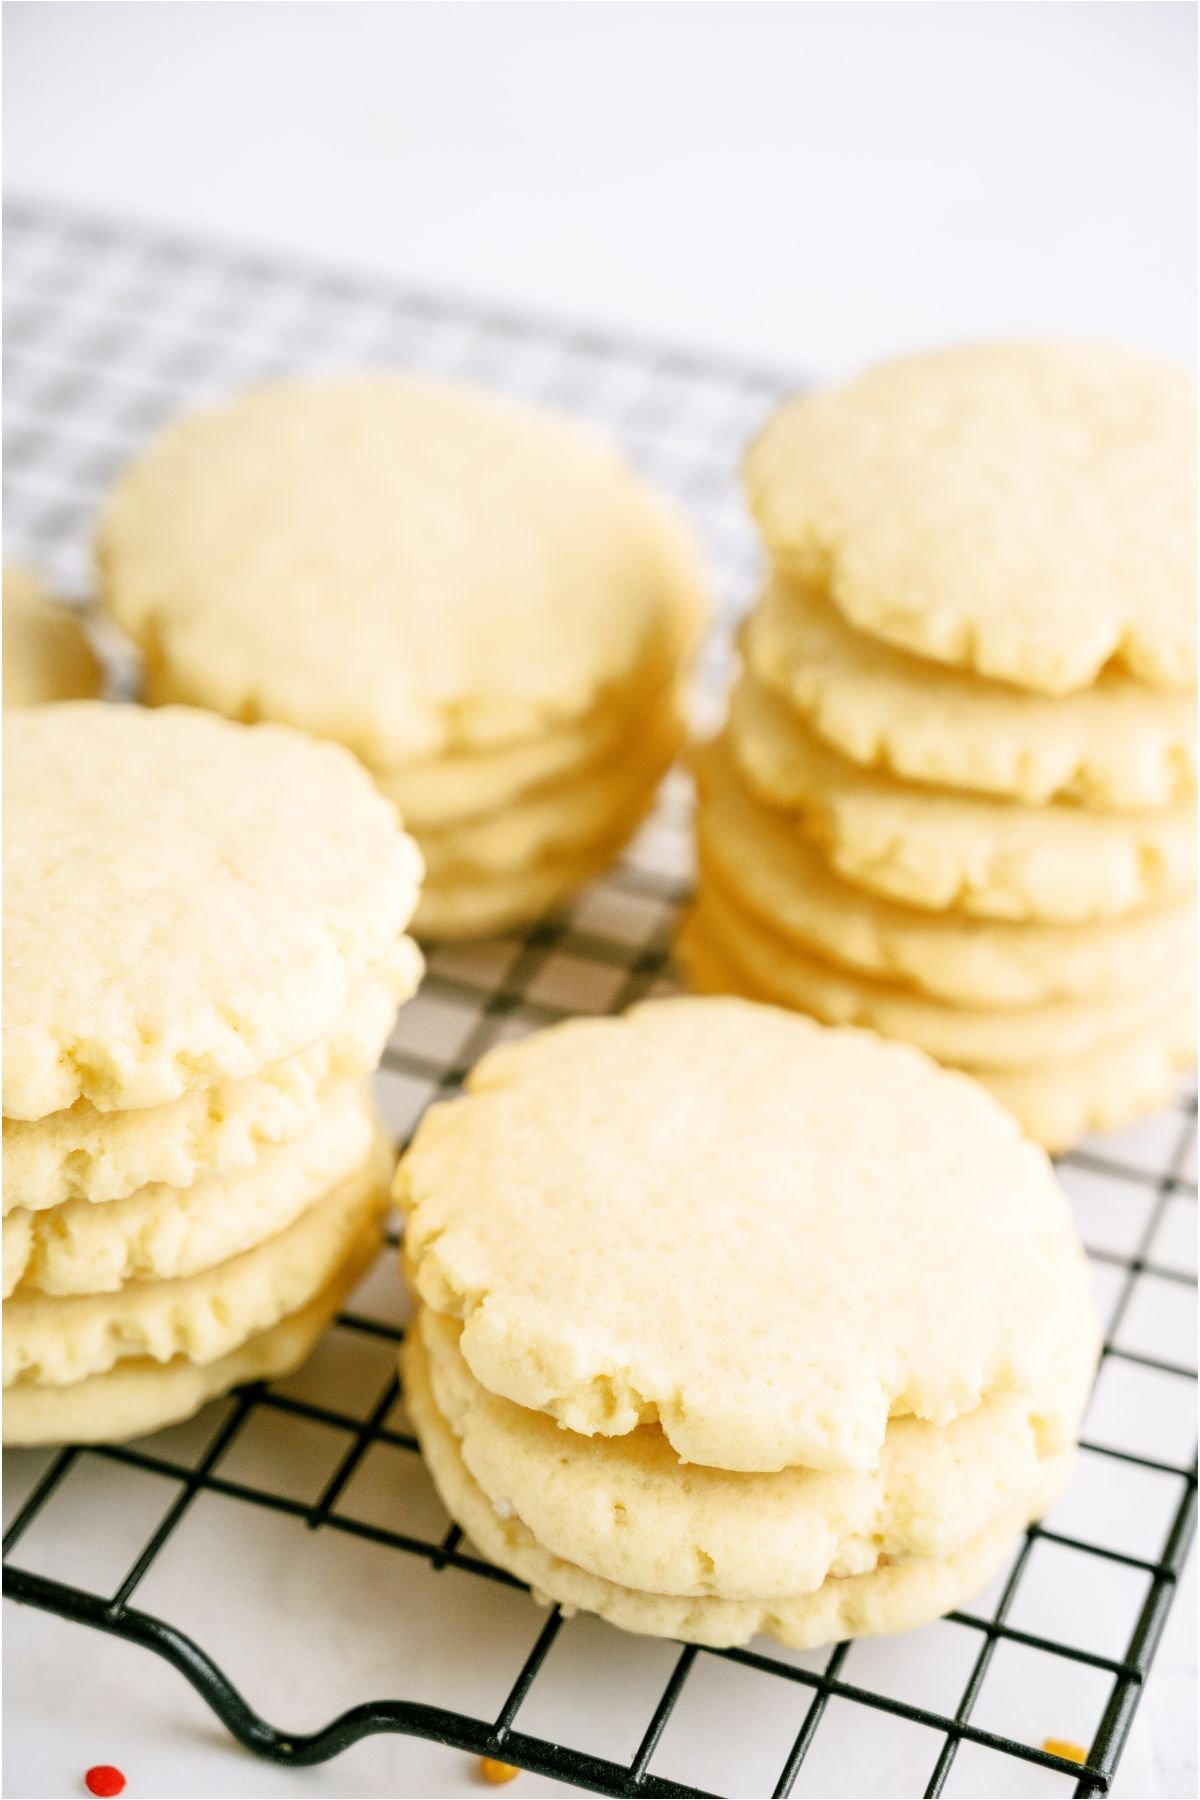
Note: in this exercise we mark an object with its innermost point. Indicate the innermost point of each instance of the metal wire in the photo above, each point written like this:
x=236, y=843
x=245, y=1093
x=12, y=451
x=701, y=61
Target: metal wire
x=110, y=329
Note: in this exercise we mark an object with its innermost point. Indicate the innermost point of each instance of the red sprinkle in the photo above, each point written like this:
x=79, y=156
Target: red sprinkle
x=104, y=1780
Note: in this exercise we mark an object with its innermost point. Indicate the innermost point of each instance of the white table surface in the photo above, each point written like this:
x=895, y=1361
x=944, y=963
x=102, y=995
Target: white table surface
x=816, y=185
x=810, y=185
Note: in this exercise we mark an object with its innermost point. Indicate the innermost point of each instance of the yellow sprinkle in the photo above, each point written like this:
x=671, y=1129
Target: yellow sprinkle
x=1065, y=1748
x=491, y=1770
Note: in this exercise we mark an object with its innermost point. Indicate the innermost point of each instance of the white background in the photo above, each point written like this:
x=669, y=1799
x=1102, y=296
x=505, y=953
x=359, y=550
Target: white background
x=810, y=185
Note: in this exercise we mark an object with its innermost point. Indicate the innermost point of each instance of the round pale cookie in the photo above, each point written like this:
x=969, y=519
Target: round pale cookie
x=1010, y=1038
x=475, y=905
x=185, y=900
x=1105, y=1090
x=57, y=1341
x=1055, y=1104
x=141, y=1396
x=562, y=820
x=940, y=850
x=452, y=790
x=163, y=1234
x=449, y=790
x=1117, y=746
x=898, y=1597
x=774, y=872
x=906, y=1257
x=407, y=566
x=1025, y=510
x=46, y=655
x=626, y=1509
x=83, y=1154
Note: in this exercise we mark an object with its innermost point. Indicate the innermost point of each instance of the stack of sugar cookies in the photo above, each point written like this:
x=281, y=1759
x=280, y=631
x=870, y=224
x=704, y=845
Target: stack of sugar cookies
x=478, y=599
x=731, y=1323
x=46, y=655
x=954, y=800
x=203, y=952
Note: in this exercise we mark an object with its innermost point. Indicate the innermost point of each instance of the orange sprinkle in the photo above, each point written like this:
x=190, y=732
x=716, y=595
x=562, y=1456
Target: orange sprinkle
x=1065, y=1748
x=497, y=1772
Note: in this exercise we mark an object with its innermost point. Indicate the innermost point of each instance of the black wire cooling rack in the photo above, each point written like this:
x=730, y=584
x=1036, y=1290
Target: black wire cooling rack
x=312, y=1487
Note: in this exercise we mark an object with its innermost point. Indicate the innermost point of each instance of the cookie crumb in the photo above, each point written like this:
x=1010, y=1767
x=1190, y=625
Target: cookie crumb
x=1065, y=1748
x=493, y=1770
x=104, y=1781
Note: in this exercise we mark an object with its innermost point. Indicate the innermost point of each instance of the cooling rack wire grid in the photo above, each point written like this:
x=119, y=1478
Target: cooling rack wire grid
x=306, y=1499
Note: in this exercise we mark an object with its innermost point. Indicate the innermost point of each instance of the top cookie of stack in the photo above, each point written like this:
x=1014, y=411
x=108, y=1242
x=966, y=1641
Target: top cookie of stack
x=955, y=797
x=203, y=952
x=730, y=1323
x=478, y=599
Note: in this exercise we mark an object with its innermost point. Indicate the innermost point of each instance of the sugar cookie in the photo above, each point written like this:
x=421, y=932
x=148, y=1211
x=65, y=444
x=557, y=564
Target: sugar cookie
x=161, y=1233
x=937, y=849
x=186, y=900
x=898, y=1597
x=410, y=567
x=84, y=1154
x=562, y=1211
x=1026, y=510
x=139, y=1396
x=1116, y=745
x=756, y=855
x=625, y=1508
x=1007, y=1038
x=55, y=1342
